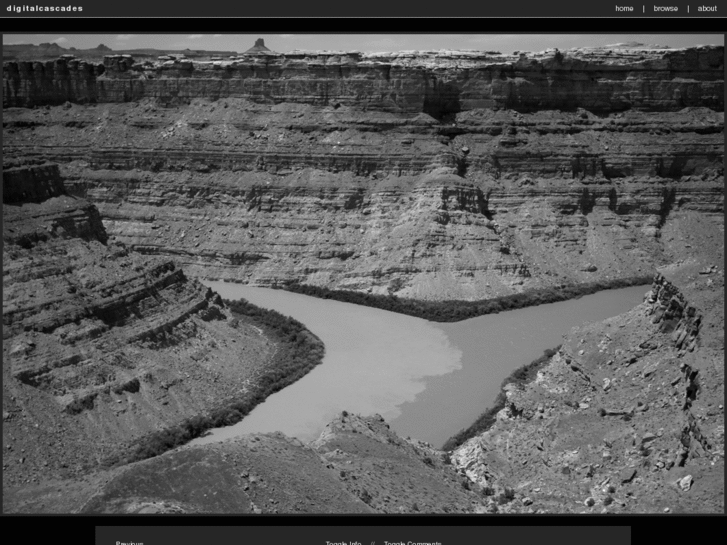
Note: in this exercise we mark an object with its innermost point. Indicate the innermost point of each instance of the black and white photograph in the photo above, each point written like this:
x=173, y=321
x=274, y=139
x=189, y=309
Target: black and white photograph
x=403, y=274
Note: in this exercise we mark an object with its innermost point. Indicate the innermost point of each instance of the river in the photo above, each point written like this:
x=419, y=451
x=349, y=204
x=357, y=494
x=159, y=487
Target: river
x=427, y=379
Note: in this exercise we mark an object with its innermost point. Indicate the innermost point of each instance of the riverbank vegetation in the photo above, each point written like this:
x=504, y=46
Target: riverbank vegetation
x=297, y=352
x=455, y=311
x=520, y=377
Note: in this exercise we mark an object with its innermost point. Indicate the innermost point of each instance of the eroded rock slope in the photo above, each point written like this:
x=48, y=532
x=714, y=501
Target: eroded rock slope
x=627, y=417
x=356, y=466
x=430, y=175
x=101, y=346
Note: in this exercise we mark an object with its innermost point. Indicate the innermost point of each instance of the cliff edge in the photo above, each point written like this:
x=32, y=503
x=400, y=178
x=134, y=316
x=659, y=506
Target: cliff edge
x=101, y=346
x=627, y=417
x=429, y=175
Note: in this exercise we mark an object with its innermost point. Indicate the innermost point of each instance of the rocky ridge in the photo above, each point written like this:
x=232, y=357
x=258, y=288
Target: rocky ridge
x=626, y=418
x=432, y=175
x=356, y=466
x=101, y=345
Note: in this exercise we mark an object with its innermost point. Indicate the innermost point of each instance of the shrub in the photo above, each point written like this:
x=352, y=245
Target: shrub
x=366, y=497
x=298, y=352
x=454, y=311
x=520, y=376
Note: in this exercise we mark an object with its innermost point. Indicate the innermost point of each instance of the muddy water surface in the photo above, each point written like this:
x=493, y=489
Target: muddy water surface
x=428, y=380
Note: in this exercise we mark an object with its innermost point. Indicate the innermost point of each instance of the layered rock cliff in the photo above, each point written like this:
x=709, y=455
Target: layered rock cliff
x=101, y=346
x=441, y=175
x=626, y=417
x=436, y=83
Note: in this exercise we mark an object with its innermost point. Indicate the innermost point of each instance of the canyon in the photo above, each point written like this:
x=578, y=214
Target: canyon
x=429, y=175
x=102, y=346
x=451, y=175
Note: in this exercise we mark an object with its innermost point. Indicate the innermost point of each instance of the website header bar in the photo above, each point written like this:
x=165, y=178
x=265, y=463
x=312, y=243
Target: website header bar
x=371, y=8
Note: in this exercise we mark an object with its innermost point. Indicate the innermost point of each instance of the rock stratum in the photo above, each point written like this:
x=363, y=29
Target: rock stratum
x=436, y=83
x=102, y=346
x=431, y=175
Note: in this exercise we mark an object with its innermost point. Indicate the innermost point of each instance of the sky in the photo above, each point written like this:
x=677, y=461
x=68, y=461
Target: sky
x=505, y=43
